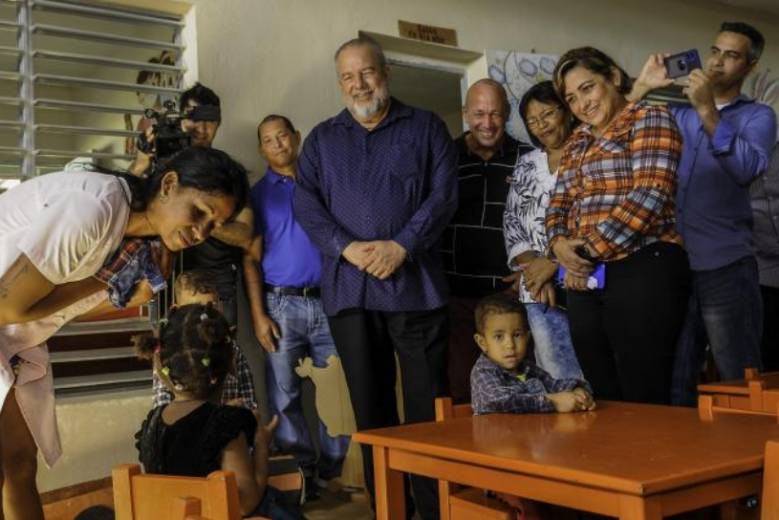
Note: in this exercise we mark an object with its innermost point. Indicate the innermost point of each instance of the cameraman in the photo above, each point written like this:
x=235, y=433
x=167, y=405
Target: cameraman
x=222, y=253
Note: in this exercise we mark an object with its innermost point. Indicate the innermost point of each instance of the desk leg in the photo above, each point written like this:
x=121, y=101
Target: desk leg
x=637, y=508
x=390, y=499
x=444, y=492
x=729, y=510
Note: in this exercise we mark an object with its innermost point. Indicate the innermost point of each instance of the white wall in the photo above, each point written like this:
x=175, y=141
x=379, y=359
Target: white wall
x=96, y=432
x=276, y=55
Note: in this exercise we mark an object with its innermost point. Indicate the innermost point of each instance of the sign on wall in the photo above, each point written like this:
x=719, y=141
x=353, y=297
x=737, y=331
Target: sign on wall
x=427, y=33
x=517, y=72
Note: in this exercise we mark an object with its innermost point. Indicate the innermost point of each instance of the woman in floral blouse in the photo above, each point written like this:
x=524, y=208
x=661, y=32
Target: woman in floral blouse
x=549, y=123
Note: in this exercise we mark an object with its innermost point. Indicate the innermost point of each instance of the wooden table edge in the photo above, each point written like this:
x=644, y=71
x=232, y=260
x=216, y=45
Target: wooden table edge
x=565, y=475
x=578, y=495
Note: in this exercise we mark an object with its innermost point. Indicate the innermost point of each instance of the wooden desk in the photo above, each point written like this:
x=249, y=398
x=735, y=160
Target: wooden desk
x=626, y=460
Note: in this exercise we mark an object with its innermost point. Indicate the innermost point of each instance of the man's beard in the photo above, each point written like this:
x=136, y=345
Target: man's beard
x=363, y=112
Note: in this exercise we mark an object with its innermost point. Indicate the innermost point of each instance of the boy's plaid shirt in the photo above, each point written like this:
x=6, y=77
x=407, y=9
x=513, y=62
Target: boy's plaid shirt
x=497, y=390
x=236, y=386
x=131, y=263
x=617, y=191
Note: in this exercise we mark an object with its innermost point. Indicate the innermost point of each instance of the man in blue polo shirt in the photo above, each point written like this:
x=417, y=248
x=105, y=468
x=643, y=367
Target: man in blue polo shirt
x=286, y=310
x=727, y=143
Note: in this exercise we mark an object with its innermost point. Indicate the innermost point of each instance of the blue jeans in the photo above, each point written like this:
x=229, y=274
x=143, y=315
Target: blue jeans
x=725, y=312
x=304, y=332
x=552, y=341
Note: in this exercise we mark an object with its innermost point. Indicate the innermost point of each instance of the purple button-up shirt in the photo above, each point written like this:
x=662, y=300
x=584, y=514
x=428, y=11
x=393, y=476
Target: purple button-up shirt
x=713, y=212
x=395, y=182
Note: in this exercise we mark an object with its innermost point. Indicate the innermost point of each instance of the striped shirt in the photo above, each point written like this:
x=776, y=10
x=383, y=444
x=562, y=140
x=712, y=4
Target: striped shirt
x=617, y=191
x=472, y=247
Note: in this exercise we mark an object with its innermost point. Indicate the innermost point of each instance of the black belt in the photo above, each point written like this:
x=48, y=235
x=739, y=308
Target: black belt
x=305, y=292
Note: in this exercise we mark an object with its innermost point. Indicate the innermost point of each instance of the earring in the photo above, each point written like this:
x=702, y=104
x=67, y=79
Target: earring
x=163, y=198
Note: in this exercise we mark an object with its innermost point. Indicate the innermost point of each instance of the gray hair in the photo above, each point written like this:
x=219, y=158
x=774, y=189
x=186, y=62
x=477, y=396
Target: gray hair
x=366, y=41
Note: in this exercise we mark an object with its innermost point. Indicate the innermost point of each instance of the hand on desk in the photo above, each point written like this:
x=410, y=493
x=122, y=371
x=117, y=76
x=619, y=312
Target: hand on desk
x=578, y=400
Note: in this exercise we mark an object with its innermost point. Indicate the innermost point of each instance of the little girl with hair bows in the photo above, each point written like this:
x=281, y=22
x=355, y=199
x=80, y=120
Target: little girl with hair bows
x=193, y=435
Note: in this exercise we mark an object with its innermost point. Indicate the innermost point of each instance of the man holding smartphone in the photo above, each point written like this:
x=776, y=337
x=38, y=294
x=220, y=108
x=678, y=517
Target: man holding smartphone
x=727, y=143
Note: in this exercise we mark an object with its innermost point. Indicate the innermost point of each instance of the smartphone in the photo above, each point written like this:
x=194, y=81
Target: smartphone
x=596, y=280
x=682, y=64
x=584, y=253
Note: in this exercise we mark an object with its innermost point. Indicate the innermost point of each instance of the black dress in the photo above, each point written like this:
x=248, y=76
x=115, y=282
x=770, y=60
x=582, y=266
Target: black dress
x=193, y=445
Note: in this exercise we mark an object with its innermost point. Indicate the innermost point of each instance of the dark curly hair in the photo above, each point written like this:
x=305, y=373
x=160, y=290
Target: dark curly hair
x=195, y=349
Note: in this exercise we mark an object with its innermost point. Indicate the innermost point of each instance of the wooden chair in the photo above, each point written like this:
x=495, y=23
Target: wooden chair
x=708, y=408
x=756, y=392
x=460, y=502
x=139, y=496
x=769, y=504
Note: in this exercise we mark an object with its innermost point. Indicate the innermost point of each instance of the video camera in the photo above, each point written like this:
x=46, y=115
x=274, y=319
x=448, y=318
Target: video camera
x=169, y=138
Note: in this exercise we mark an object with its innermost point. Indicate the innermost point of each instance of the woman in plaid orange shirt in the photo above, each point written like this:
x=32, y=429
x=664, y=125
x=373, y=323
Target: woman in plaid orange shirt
x=614, y=205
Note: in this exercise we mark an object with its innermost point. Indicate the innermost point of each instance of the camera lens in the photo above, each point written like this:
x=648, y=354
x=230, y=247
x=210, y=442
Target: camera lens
x=682, y=64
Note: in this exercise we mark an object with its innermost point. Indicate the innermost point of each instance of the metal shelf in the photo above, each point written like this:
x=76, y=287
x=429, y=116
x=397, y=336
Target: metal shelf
x=79, y=106
x=11, y=123
x=48, y=152
x=7, y=100
x=97, y=354
x=78, y=328
x=102, y=380
x=67, y=32
x=55, y=79
x=98, y=12
x=11, y=26
x=104, y=61
x=10, y=76
x=87, y=130
x=13, y=51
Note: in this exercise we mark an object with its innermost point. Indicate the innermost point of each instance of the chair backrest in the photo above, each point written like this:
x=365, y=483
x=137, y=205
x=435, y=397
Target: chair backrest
x=149, y=497
x=769, y=504
x=445, y=409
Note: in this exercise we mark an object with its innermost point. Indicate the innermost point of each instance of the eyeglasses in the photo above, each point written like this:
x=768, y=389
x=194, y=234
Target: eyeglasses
x=535, y=122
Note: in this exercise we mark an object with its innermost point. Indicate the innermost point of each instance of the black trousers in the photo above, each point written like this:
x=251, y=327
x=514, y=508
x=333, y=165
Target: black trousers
x=367, y=342
x=625, y=334
x=770, y=342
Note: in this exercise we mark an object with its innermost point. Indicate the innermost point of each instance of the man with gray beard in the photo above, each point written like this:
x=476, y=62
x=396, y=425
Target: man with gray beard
x=377, y=186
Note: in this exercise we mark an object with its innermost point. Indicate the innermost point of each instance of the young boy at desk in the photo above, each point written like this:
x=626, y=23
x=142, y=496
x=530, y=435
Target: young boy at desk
x=503, y=380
